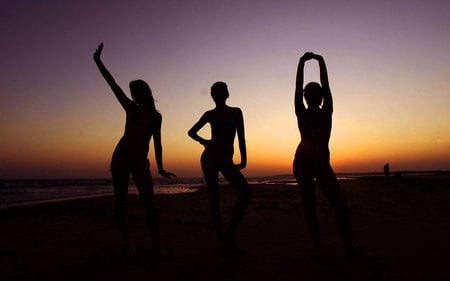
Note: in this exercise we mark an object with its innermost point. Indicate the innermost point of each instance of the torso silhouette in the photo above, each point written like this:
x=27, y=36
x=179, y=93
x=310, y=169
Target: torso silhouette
x=139, y=125
x=224, y=122
x=315, y=130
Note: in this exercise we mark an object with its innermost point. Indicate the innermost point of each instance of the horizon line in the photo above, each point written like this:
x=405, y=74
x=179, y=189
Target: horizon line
x=437, y=171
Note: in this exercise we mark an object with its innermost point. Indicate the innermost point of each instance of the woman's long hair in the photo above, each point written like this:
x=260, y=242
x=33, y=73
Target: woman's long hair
x=142, y=94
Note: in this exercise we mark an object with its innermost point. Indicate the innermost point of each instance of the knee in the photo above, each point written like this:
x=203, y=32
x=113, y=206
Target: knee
x=246, y=194
x=307, y=191
x=335, y=195
x=147, y=202
x=211, y=181
x=213, y=190
x=339, y=204
x=120, y=210
x=309, y=208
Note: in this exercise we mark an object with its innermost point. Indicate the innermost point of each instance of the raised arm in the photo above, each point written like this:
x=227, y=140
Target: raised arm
x=158, y=148
x=120, y=95
x=298, y=99
x=327, y=99
x=241, y=140
x=193, y=132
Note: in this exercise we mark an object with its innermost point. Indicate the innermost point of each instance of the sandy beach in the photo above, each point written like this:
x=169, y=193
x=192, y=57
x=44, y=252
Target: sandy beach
x=402, y=224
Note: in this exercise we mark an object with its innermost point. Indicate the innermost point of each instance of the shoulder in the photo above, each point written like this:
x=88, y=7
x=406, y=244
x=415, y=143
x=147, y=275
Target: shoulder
x=208, y=114
x=236, y=110
x=238, y=114
x=130, y=107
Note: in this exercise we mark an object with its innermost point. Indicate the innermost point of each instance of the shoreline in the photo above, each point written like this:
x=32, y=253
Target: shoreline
x=404, y=224
x=200, y=178
x=132, y=191
x=186, y=188
x=46, y=201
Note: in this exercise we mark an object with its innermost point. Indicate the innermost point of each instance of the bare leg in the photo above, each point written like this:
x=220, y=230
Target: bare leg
x=120, y=179
x=304, y=175
x=211, y=176
x=144, y=183
x=238, y=181
x=330, y=187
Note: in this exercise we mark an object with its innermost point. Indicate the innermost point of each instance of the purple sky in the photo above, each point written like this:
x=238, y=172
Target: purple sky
x=388, y=63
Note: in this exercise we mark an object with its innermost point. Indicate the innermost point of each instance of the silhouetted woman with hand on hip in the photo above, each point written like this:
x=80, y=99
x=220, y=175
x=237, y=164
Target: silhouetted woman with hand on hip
x=312, y=158
x=130, y=155
x=217, y=157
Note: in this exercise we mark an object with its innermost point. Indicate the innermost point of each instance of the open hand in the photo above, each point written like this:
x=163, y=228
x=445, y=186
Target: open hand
x=167, y=174
x=98, y=52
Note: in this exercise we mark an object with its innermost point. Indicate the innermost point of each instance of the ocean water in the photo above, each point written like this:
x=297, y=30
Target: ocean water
x=26, y=191
x=31, y=191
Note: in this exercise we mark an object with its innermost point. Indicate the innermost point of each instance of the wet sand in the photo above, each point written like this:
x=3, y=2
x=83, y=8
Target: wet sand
x=402, y=224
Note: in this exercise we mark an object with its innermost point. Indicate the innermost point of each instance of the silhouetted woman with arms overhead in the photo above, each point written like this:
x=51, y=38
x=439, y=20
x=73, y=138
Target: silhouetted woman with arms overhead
x=312, y=158
x=217, y=157
x=130, y=155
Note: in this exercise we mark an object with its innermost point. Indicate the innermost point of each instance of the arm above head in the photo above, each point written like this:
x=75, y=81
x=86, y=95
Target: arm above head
x=158, y=149
x=327, y=99
x=298, y=99
x=241, y=139
x=193, y=132
x=323, y=71
x=120, y=95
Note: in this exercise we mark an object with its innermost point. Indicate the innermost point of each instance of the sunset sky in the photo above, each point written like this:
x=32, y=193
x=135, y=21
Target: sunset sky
x=388, y=64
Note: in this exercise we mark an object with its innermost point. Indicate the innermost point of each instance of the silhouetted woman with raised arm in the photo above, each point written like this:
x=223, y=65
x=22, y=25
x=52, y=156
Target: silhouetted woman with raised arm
x=130, y=156
x=217, y=157
x=312, y=158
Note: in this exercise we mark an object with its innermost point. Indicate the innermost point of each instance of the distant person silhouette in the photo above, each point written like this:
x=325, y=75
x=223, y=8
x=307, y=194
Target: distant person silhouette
x=386, y=170
x=312, y=158
x=225, y=121
x=130, y=155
